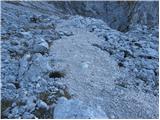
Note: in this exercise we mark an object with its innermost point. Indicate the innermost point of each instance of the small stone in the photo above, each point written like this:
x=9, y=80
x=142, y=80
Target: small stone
x=41, y=46
x=14, y=104
x=85, y=65
x=28, y=115
x=41, y=104
x=30, y=106
x=11, y=86
x=38, y=85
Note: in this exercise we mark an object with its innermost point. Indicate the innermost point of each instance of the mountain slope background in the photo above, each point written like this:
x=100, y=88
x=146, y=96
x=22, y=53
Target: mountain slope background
x=79, y=59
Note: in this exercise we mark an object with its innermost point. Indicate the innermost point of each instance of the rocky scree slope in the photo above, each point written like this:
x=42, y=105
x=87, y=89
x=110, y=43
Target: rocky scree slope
x=62, y=66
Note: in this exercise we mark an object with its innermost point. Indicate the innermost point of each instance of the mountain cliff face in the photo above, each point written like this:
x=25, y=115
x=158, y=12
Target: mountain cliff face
x=79, y=60
x=118, y=15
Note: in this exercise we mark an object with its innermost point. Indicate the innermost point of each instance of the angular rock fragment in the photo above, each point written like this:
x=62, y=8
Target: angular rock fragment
x=42, y=105
x=41, y=46
x=75, y=109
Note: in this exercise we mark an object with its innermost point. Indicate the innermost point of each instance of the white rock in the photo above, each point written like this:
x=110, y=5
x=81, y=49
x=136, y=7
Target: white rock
x=41, y=104
x=75, y=109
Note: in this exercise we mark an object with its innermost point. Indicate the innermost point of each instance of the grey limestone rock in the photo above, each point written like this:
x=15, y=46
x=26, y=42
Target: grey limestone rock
x=75, y=109
x=42, y=105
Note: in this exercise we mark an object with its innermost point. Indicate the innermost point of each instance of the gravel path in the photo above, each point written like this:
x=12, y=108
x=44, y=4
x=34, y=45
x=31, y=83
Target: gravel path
x=88, y=69
x=91, y=76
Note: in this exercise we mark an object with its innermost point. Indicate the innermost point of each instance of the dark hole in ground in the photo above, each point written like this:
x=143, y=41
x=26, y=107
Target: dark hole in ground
x=126, y=54
x=146, y=57
x=110, y=52
x=92, y=30
x=106, y=38
x=17, y=85
x=120, y=64
x=137, y=84
x=56, y=74
x=149, y=57
x=138, y=45
x=43, y=53
x=156, y=72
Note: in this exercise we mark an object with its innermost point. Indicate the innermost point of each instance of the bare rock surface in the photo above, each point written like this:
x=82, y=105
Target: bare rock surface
x=72, y=109
x=119, y=15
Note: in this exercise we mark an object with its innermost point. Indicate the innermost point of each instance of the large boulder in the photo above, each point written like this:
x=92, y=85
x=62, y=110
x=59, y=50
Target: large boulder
x=76, y=109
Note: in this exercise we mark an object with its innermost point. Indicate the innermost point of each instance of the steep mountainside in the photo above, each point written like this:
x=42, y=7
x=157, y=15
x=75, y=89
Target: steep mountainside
x=79, y=60
x=118, y=15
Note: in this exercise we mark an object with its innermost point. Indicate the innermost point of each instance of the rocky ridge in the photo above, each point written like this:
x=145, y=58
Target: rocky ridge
x=119, y=15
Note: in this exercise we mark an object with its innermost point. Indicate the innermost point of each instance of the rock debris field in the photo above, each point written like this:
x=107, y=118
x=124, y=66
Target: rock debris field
x=70, y=66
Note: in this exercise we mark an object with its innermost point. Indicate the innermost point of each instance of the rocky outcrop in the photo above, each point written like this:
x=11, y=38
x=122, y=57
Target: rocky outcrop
x=119, y=15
